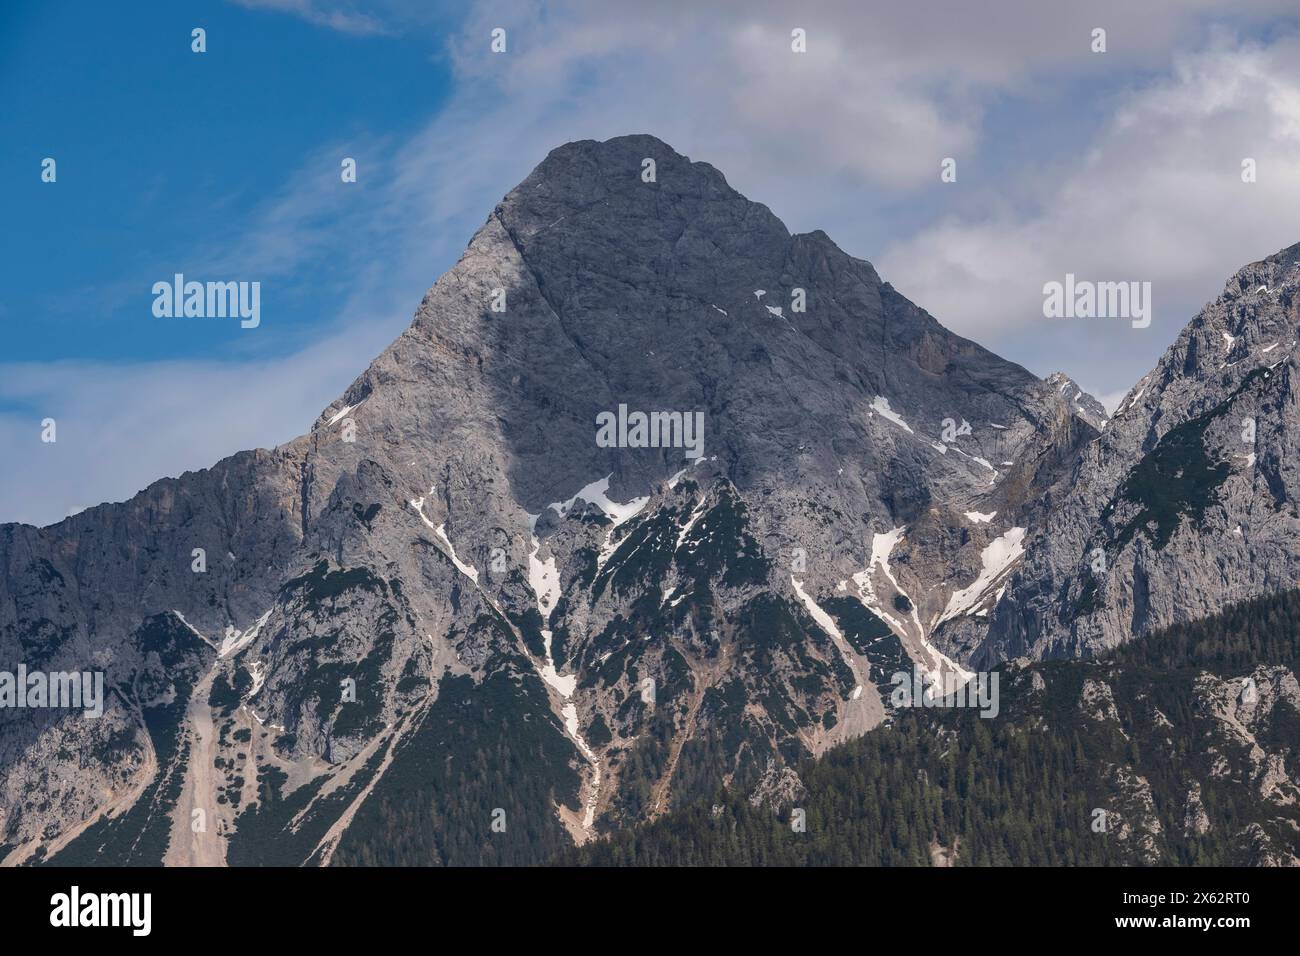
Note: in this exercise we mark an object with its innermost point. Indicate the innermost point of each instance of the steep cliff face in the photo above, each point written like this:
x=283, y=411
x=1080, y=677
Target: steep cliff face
x=1187, y=500
x=457, y=595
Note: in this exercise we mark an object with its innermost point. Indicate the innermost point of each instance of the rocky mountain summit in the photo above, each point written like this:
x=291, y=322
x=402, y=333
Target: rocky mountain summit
x=651, y=498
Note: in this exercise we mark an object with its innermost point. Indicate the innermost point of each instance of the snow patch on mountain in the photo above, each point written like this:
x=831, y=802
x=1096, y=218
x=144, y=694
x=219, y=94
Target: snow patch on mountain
x=197, y=633
x=339, y=416
x=235, y=641
x=997, y=558
x=544, y=579
x=827, y=624
x=597, y=493
x=881, y=407
x=441, y=531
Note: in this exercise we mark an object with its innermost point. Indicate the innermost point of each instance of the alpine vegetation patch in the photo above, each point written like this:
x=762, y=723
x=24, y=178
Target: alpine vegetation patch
x=1085, y=299
x=626, y=429
x=208, y=300
x=918, y=689
x=75, y=908
x=82, y=691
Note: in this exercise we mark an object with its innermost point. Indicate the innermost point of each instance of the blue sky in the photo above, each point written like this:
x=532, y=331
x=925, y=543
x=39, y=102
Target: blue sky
x=225, y=165
x=165, y=158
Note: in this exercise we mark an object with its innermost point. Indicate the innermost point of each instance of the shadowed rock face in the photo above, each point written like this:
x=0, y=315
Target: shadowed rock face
x=450, y=571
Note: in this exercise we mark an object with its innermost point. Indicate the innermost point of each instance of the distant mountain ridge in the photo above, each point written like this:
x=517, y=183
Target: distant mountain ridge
x=1187, y=500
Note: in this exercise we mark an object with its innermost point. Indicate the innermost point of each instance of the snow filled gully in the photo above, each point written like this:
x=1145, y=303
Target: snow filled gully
x=915, y=638
x=544, y=580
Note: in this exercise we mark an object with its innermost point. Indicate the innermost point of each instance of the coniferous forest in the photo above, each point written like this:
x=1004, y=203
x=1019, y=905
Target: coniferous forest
x=936, y=786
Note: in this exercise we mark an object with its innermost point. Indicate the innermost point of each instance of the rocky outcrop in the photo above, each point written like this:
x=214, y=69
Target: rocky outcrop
x=1186, y=501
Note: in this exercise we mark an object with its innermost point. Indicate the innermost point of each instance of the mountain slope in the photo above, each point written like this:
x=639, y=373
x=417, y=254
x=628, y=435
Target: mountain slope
x=1180, y=749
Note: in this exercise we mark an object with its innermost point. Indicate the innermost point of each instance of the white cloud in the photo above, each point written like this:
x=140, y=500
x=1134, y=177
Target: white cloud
x=1158, y=197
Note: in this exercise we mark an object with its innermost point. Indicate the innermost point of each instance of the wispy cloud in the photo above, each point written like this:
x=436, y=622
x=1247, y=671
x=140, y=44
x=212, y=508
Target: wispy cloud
x=122, y=427
x=342, y=16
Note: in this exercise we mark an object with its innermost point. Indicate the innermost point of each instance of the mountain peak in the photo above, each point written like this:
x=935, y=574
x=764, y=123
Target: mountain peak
x=796, y=444
x=588, y=171
x=615, y=157
x=640, y=195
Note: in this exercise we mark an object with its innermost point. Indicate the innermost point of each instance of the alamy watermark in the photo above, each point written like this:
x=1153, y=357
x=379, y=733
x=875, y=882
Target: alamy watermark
x=918, y=689
x=77, y=691
x=651, y=430
x=1084, y=299
x=208, y=300
x=75, y=908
